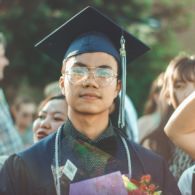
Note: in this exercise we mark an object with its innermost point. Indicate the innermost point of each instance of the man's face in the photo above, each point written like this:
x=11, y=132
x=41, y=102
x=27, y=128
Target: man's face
x=3, y=61
x=179, y=91
x=90, y=96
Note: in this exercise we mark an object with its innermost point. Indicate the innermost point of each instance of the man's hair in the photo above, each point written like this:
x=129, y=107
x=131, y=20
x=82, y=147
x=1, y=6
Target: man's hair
x=2, y=39
x=181, y=68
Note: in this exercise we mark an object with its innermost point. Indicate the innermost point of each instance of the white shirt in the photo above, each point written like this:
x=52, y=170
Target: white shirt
x=185, y=181
x=131, y=119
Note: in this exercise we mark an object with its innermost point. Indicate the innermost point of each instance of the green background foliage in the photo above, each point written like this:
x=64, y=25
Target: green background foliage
x=26, y=22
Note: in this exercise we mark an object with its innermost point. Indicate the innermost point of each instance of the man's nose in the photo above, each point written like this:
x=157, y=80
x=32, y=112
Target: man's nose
x=91, y=75
x=90, y=80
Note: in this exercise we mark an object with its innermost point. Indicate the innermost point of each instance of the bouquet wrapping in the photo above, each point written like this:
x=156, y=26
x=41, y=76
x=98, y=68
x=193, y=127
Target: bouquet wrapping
x=114, y=184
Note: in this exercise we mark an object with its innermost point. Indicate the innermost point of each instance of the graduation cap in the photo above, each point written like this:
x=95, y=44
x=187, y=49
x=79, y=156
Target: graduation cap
x=92, y=31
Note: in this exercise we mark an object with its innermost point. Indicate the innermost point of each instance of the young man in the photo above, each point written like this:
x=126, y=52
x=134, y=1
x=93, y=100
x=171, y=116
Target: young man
x=87, y=145
x=10, y=141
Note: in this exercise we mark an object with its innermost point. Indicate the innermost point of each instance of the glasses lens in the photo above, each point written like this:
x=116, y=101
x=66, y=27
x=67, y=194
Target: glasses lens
x=77, y=74
x=104, y=76
x=103, y=73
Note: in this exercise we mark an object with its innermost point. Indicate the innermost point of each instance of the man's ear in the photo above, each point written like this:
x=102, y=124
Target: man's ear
x=61, y=85
x=118, y=87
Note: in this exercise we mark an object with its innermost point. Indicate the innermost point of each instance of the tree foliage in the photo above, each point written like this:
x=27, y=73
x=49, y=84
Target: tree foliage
x=154, y=22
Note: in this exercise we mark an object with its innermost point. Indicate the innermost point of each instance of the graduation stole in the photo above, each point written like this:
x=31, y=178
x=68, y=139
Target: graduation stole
x=79, y=160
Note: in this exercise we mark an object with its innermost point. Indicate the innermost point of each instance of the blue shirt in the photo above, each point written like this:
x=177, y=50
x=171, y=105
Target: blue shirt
x=10, y=141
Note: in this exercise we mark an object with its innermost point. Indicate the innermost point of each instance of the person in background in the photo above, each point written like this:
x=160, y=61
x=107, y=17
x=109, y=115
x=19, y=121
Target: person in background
x=179, y=83
x=131, y=128
x=186, y=182
x=154, y=108
x=87, y=145
x=23, y=111
x=157, y=112
x=10, y=141
x=52, y=89
x=52, y=113
x=181, y=126
x=181, y=130
x=157, y=140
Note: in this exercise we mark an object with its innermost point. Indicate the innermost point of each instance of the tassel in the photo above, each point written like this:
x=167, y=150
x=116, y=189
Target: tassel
x=121, y=119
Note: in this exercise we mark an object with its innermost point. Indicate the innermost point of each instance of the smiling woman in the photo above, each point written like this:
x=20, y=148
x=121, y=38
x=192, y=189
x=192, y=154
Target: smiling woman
x=52, y=113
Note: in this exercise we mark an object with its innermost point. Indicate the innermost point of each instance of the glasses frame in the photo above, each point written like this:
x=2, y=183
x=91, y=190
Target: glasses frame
x=91, y=71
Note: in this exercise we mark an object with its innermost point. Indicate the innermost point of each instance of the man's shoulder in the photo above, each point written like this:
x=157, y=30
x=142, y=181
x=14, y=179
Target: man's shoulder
x=42, y=149
x=143, y=153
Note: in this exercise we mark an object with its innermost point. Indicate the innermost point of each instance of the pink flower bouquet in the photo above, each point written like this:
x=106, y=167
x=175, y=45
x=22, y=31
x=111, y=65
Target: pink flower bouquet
x=114, y=184
x=142, y=187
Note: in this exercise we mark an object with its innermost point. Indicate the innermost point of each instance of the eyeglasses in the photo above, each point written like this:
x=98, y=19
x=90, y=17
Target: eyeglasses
x=102, y=76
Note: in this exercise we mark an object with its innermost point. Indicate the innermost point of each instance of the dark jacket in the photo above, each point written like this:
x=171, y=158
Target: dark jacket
x=29, y=172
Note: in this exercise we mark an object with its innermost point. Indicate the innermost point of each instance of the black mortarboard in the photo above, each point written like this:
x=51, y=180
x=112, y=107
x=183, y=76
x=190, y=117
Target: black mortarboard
x=91, y=31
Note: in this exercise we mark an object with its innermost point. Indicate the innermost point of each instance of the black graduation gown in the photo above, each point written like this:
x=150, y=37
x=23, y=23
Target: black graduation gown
x=29, y=172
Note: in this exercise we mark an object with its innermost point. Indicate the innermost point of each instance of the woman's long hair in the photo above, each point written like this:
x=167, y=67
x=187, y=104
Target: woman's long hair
x=158, y=140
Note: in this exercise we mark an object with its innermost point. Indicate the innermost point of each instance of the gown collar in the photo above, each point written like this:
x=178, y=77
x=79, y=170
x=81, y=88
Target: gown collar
x=69, y=129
